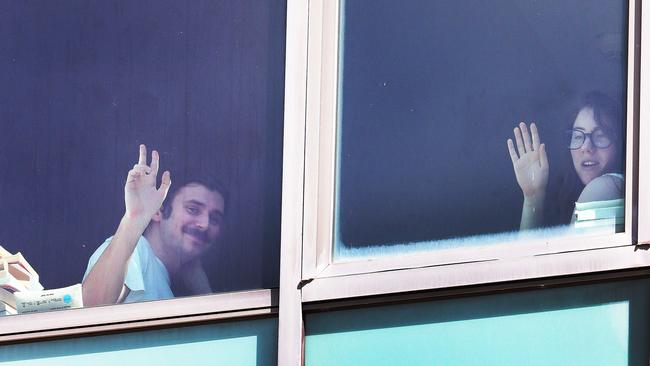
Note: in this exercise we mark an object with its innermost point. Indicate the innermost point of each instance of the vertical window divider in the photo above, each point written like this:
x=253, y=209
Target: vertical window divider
x=290, y=325
x=643, y=132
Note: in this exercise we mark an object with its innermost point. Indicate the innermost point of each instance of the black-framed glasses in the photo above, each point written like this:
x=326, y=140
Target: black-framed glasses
x=598, y=137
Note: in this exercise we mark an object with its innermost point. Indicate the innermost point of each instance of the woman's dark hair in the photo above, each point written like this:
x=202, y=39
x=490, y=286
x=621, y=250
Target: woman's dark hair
x=608, y=116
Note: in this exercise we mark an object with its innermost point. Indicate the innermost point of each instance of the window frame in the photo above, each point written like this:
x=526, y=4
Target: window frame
x=138, y=315
x=533, y=258
x=643, y=111
x=290, y=322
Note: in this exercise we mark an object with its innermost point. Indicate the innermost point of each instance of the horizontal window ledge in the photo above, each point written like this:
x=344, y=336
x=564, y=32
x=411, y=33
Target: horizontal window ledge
x=476, y=273
x=123, y=317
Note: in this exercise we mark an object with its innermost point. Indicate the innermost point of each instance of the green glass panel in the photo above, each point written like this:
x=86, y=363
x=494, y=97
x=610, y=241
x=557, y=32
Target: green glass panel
x=603, y=324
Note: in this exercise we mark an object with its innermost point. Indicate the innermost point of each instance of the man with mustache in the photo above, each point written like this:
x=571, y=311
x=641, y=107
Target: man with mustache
x=158, y=242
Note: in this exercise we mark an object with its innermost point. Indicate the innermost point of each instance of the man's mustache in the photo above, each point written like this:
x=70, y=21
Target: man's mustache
x=197, y=233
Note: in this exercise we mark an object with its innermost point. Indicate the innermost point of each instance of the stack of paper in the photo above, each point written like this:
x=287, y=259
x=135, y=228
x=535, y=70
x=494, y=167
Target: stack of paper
x=16, y=274
x=600, y=214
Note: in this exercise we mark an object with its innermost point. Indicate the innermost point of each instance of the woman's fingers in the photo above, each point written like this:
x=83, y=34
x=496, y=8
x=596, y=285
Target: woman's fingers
x=513, y=153
x=543, y=159
x=526, y=137
x=520, y=144
x=535, y=134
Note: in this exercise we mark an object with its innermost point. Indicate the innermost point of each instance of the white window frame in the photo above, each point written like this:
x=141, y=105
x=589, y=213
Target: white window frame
x=139, y=315
x=290, y=323
x=326, y=279
x=643, y=214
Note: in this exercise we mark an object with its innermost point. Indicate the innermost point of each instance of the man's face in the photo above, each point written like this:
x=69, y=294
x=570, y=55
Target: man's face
x=194, y=223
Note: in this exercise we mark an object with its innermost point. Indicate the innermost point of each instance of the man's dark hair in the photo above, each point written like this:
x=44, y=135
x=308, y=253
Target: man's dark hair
x=211, y=183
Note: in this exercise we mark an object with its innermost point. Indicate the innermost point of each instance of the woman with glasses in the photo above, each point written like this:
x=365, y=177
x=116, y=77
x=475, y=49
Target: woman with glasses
x=594, y=143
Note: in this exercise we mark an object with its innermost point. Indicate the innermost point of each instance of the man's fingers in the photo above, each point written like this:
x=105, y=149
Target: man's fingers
x=535, y=133
x=513, y=153
x=144, y=169
x=154, y=162
x=520, y=143
x=142, y=160
x=132, y=176
x=526, y=136
x=165, y=184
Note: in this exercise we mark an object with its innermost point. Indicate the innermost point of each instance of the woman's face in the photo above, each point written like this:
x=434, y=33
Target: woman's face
x=589, y=161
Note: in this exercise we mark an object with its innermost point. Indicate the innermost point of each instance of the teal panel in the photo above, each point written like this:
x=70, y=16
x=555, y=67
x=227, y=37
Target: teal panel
x=252, y=342
x=603, y=324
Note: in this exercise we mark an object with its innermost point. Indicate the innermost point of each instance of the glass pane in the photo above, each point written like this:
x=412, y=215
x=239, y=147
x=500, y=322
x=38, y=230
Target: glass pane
x=235, y=343
x=604, y=324
x=84, y=84
x=431, y=91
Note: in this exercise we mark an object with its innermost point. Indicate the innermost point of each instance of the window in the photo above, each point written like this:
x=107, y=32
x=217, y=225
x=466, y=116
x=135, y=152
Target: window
x=409, y=169
x=551, y=326
x=83, y=85
x=423, y=128
x=358, y=192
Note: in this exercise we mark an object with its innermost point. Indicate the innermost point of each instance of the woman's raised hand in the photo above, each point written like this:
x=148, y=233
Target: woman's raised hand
x=529, y=161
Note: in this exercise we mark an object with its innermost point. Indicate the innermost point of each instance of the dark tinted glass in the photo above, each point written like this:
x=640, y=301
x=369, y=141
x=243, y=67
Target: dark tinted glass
x=430, y=92
x=84, y=83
